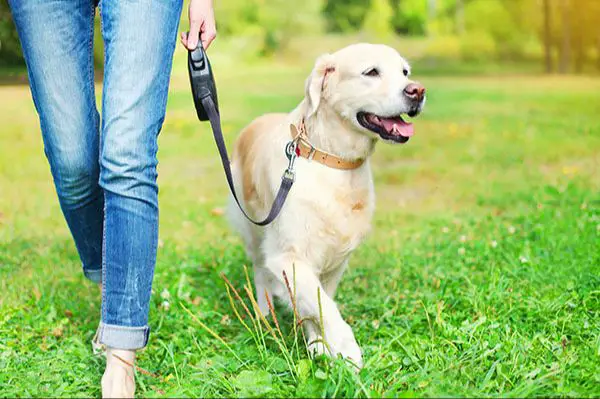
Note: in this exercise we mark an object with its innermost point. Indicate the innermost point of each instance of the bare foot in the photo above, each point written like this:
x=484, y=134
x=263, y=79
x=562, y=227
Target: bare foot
x=118, y=380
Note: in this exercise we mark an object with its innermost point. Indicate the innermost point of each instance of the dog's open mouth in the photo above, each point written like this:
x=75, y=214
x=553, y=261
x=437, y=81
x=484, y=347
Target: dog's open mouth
x=395, y=129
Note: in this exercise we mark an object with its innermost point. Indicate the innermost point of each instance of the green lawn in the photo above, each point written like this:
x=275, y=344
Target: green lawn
x=481, y=278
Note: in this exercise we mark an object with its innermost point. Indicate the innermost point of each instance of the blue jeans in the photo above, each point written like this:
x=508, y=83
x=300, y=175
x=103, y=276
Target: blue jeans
x=105, y=174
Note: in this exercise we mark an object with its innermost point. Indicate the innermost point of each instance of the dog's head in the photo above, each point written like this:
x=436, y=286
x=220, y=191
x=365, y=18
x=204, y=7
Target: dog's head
x=369, y=86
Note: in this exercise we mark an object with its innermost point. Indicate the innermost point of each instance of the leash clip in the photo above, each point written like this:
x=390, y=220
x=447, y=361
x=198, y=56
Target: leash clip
x=290, y=152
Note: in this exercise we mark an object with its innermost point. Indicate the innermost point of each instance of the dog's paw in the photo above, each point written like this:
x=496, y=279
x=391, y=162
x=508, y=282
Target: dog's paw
x=344, y=344
x=350, y=350
x=317, y=347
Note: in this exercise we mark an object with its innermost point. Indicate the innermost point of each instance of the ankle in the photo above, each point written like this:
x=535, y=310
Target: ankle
x=123, y=356
x=118, y=380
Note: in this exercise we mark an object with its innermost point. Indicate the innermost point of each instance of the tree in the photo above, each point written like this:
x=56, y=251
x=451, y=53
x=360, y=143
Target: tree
x=584, y=25
x=236, y=17
x=10, y=47
x=431, y=13
x=378, y=19
x=460, y=17
x=565, y=43
x=280, y=22
x=409, y=17
x=547, y=36
x=345, y=15
x=509, y=25
x=573, y=34
x=268, y=25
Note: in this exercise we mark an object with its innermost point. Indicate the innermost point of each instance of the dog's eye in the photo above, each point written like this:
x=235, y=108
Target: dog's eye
x=373, y=72
x=405, y=72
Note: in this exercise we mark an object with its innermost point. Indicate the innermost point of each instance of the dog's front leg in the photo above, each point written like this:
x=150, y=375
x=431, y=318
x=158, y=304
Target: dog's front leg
x=314, y=304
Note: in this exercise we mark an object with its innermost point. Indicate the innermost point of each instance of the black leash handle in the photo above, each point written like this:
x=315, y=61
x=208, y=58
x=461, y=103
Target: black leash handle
x=204, y=91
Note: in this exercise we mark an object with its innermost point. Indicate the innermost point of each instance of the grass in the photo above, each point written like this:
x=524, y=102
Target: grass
x=481, y=278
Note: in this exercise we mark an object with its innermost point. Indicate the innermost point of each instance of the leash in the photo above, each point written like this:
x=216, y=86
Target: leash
x=204, y=91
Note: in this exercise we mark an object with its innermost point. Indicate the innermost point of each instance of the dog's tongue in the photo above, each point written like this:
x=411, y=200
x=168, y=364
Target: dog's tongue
x=397, y=127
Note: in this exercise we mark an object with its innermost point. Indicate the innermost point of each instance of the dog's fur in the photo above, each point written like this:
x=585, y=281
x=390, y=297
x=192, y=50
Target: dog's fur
x=328, y=212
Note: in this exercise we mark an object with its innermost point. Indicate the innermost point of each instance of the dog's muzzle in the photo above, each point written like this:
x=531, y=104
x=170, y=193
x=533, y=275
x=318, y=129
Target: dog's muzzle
x=415, y=94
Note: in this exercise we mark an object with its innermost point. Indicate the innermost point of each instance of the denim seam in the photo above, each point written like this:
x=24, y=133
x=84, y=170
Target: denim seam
x=124, y=328
x=103, y=309
x=104, y=52
x=91, y=50
x=101, y=123
x=94, y=110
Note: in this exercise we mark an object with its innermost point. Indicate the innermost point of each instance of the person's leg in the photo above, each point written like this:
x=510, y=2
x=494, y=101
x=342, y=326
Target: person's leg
x=139, y=38
x=57, y=43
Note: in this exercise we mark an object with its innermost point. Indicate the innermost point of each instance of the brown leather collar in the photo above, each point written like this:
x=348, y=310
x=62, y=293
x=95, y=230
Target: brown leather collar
x=306, y=150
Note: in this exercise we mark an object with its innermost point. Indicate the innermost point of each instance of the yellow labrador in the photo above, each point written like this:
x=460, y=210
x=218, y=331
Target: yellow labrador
x=354, y=98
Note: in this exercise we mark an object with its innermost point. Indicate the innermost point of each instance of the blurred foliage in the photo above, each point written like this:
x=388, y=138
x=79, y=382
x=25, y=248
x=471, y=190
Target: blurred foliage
x=10, y=49
x=564, y=35
x=268, y=25
x=378, y=19
x=346, y=15
x=410, y=17
x=98, y=43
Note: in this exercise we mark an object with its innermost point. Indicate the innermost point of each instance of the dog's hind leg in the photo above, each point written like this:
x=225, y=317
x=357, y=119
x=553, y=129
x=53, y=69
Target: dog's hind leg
x=263, y=289
x=252, y=241
x=331, y=280
x=262, y=280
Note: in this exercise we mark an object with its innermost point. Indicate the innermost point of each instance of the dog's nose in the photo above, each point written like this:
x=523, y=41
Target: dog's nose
x=415, y=91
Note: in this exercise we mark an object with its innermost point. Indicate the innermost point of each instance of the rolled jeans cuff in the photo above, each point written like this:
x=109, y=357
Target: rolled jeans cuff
x=94, y=276
x=120, y=337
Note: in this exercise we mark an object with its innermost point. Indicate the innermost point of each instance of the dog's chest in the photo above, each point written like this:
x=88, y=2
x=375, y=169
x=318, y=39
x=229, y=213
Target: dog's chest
x=339, y=214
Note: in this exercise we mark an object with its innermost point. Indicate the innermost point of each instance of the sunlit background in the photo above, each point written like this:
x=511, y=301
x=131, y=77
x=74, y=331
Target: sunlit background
x=480, y=277
x=453, y=36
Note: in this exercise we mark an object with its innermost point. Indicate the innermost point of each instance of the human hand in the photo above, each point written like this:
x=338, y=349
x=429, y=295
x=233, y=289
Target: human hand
x=202, y=24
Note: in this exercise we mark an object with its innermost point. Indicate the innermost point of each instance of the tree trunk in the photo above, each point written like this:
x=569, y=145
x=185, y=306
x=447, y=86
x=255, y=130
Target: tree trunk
x=547, y=37
x=598, y=51
x=460, y=17
x=565, y=45
x=579, y=53
x=431, y=14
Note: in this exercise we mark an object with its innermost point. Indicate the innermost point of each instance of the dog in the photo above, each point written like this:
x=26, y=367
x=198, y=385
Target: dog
x=354, y=98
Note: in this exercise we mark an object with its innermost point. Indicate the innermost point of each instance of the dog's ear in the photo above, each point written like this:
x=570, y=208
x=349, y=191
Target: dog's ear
x=321, y=76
